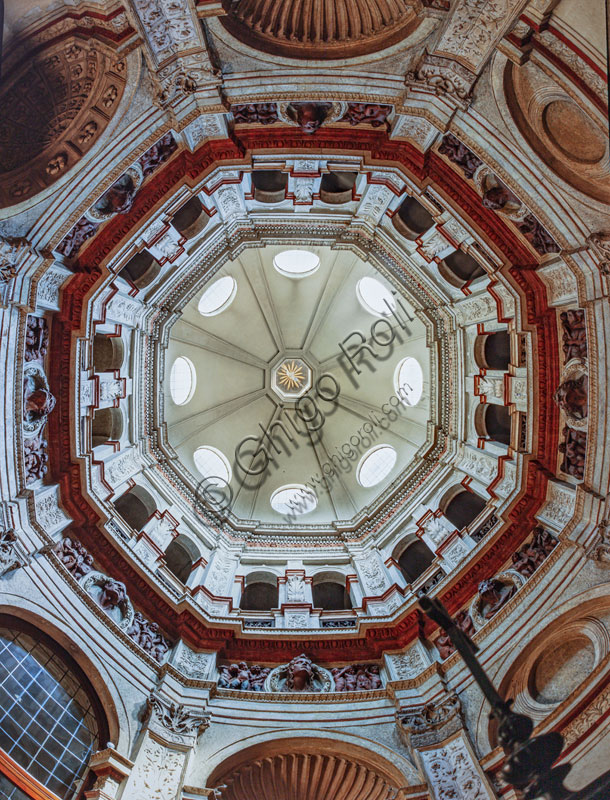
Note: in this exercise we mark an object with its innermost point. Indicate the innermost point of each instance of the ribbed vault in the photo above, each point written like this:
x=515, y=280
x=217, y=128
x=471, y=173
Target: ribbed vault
x=306, y=776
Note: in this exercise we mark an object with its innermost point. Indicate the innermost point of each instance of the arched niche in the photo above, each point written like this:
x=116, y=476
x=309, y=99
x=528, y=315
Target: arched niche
x=141, y=270
x=412, y=219
x=461, y=507
x=337, y=187
x=108, y=352
x=269, y=185
x=107, y=426
x=331, y=594
x=191, y=218
x=46, y=696
x=354, y=770
x=493, y=422
x=260, y=593
x=413, y=557
x=180, y=556
x=136, y=507
x=492, y=350
x=459, y=268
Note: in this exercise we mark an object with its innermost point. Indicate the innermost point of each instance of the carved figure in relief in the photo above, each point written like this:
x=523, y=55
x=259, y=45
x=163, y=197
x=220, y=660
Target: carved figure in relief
x=119, y=198
x=527, y=560
x=373, y=114
x=356, y=677
x=494, y=594
x=240, y=676
x=574, y=334
x=537, y=235
x=572, y=397
x=496, y=197
x=574, y=447
x=36, y=458
x=308, y=116
x=300, y=674
x=74, y=557
x=36, y=338
x=443, y=643
x=37, y=401
x=113, y=595
x=148, y=636
x=157, y=154
x=77, y=236
x=264, y=113
x=459, y=154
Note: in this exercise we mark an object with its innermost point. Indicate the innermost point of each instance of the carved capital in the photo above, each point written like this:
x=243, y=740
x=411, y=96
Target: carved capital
x=444, y=76
x=173, y=722
x=431, y=723
x=12, y=554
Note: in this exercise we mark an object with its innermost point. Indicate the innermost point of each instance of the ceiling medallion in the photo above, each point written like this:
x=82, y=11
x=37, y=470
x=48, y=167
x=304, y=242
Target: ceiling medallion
x=291, y=378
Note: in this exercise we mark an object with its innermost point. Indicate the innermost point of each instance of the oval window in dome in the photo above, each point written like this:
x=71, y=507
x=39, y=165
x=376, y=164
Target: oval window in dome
x=296, y=263
x=293, y=499
x=217, y=297
x=213, y=465
x=409, y=381
x=375, y=465
x=375, y=298
x=182, y=380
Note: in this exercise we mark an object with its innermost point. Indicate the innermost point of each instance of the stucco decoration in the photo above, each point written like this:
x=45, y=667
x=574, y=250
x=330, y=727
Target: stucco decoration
x=572, y=395
x=54, y=110
x=148, y=782
x=493, y=595
x=38, y=402
x=341, y=29
x=242, y=677
x=300, y=675
x=453, y=772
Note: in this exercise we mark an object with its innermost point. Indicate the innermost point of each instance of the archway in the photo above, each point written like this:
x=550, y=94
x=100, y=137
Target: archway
x=336, y=187
x=191, y=218
x=459, y=268
x=412, y=219
x=180, y=556
x=141, y=270
x=107, y=426
x=261, y=592
x=136, y=507
x=461, y=507
x=108, y=352
x=492, y=350
x=269, y=185
x=414, y=559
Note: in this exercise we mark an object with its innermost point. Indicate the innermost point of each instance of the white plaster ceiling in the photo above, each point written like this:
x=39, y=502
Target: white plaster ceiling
x=273, y=315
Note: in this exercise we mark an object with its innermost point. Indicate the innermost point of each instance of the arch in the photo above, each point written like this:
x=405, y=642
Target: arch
x=461, y=507
x=331, y=595
x=269, y=185
x=59, y=708
x=414, y=559
x=412, y=219
x=107, y=426
x=180, y=557
x=141, y=270
x=191, y=218
x=337, y=187
x=492, y=350
x=494, y=422
x=260, y=593
x=136, y=507
x=108, y=352
x=459, y=268
x=387, y=763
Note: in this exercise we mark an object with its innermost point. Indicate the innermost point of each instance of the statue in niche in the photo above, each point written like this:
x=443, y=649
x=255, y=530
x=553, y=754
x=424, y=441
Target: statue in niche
x=308, y=116
x=527, y=560
x=38, y=401
x=36, y=338
x=74, y=557
x=295, y=589
x=574, y=335
x=443, y=643
x=148, y=636
x=244, y=678
x=574, y=447
x=356, y=678
x=493, y=595
x=459, y=154
x=497, y=197
x=572, y=397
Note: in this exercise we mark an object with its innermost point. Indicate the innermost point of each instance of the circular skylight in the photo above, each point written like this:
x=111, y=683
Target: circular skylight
x=218, y=296
x=375, y=465
x=409, y=381
x=213, y=465
x=182, y=380
x=293, y=499
x=375, y=298
x=296, y=263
